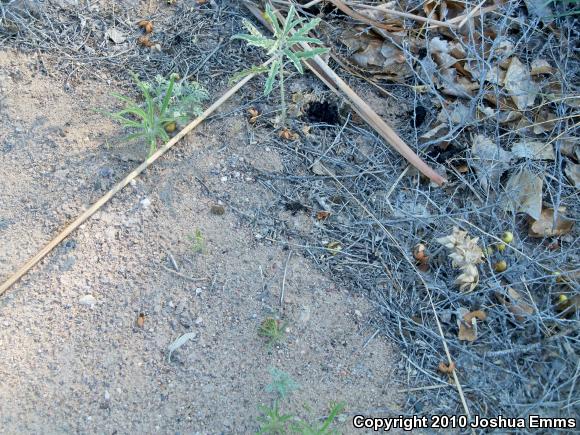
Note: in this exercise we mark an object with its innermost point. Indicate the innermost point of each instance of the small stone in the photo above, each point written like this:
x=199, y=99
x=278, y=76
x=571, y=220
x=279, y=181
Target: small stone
x=224, y=179
x=217, y=210
x=198, y=321
x=198, y=291
x=88, y=300
x=145, y=202
x=357, y=313
x=133, y=183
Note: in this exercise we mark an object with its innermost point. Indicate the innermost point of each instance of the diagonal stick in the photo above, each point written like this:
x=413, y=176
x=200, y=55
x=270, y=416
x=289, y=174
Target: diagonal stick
x=120, y=185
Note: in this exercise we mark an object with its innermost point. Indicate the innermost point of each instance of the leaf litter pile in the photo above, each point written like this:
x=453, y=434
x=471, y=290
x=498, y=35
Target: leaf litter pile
x=487, y=93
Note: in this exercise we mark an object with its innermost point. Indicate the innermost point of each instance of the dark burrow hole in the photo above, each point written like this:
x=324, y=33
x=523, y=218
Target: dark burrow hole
x=417, y=116
x=322, y=112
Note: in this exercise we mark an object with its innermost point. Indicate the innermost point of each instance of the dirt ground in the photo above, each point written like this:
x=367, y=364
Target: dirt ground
x=73, y=358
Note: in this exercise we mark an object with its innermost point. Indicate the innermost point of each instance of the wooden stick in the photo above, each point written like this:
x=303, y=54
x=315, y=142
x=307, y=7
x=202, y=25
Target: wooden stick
x=119, y=186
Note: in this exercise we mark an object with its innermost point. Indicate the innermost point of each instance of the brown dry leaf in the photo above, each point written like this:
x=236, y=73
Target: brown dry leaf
x=140, y=322
x=533, y=150
x=144, y=41
x=468, y=324
x=322, y=215
x=419, y=253
x=540, y=66
x=288, y=134
x=519, y=84
x=376, y=55
x=523, y=193
x=572, y=171
x=146, y=25
x=544, y=122
x=443, y=10
x=489, y=160
x=546, y=227
x=253, y=115
x=446, y=368
x=516, y=303
x=571, y=147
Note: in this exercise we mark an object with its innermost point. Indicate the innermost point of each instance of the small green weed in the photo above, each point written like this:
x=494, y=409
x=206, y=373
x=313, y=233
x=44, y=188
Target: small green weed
x=304, y=428
x=165, y=103
x=282, y=383
x=186, y=98
x=198, y=242
x=272, y=330
x=274, y=422
x=287, y=35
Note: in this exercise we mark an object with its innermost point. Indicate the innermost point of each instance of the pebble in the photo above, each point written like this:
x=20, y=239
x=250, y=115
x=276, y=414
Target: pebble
x=224, y=179
x=145, y=202
x=88, y=300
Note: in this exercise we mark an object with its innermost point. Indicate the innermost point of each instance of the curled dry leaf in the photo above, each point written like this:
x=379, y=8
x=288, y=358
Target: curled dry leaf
x=468, y=325
x=519, y=84
x=288, y=134
x=419, y=253
x=545, y=226
x=516, y=303
x=446, y=368
x=144, y=41
x=421, y=257
x=146, y=25
x=322, y=215
x=523, y=193
x=253, y=115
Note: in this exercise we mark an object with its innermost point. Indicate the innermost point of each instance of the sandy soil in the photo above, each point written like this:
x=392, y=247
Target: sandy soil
x=70, y=364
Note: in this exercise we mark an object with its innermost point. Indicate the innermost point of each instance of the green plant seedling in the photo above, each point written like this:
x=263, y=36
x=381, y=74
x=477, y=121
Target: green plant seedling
x=272, y=422
x=165, y=103
x=304, y=428
x=272, y=330
x=282, y=383
x=148, y=120
x=287, y=35
x=198, y=242
x=186, y=98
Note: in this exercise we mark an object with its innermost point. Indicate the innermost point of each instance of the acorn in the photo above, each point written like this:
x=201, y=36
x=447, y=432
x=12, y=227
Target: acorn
x=170, y=127
x=507, y=237
x=500, y=266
